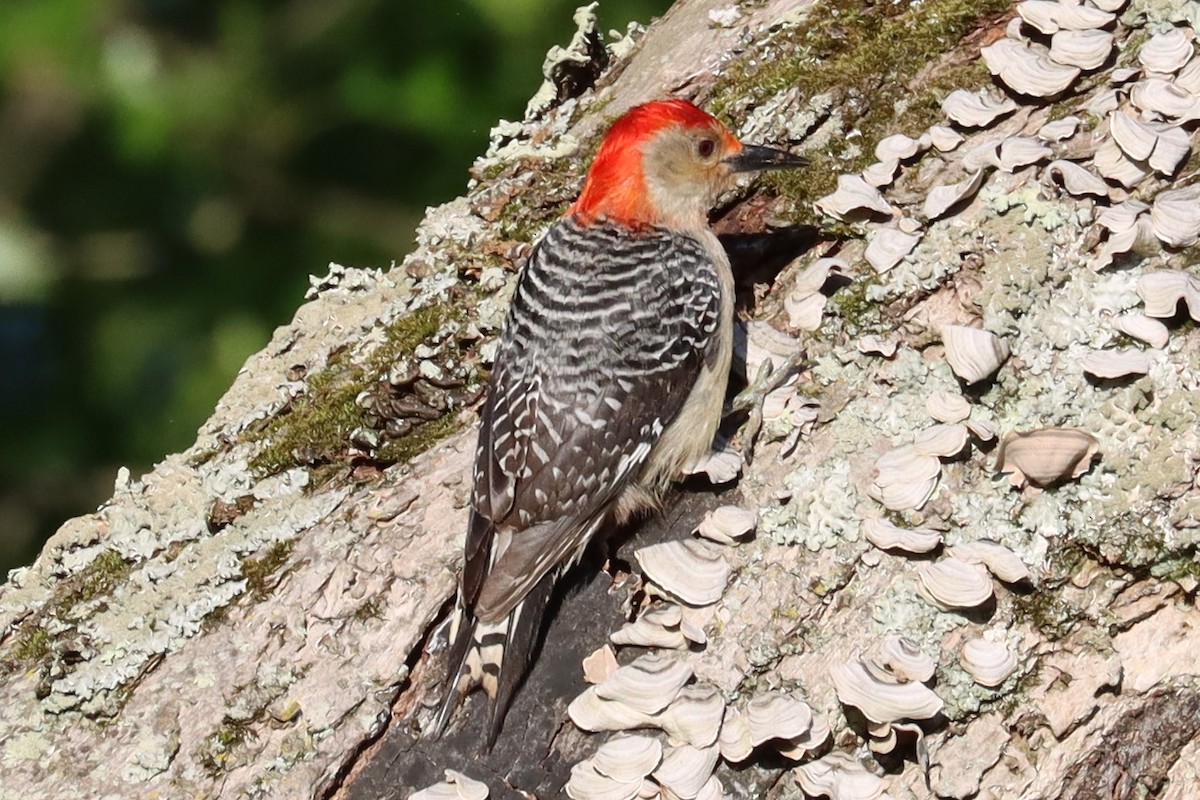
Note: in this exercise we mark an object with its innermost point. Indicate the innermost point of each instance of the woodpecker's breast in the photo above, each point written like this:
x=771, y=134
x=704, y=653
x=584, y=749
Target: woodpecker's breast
x=690, y=434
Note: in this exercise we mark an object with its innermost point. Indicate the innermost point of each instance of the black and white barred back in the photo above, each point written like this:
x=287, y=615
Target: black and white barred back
x=607, y=333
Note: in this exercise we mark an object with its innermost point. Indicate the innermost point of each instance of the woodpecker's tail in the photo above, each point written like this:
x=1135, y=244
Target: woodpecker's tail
x=493, y=655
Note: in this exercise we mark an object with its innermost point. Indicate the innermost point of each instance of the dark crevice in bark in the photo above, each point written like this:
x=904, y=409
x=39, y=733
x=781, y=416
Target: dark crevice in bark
x=1140, y=749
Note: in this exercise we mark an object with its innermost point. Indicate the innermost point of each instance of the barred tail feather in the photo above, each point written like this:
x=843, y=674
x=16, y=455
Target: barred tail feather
x=462, y=634
x=493, y=655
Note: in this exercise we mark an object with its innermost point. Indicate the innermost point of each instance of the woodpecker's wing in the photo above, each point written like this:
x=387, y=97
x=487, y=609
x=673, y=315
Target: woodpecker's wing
x=607, y=333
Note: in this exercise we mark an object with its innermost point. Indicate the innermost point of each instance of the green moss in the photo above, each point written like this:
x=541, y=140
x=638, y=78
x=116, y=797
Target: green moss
x=492, y=171
x=98, y=578
x=32, y=645
x=316, y=428
x=204, y=456
x=1048, y=612
x=1183, y=566
x=1017, y=699
x=260, y=572
x=876, y=60
x=850, y=304
x=421, y=439
x=523, y=222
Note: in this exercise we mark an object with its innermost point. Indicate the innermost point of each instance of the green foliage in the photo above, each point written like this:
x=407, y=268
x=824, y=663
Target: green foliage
x=175, y=171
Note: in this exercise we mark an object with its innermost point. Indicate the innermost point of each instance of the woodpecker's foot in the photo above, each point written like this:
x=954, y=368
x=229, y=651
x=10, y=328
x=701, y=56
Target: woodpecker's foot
x=751, y=398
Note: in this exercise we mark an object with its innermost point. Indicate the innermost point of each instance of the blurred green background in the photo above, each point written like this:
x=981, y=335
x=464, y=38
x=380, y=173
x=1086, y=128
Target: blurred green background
x=171, y=171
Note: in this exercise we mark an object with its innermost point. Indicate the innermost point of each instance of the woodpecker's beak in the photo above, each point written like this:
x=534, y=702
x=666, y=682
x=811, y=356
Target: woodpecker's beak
x=753, y=158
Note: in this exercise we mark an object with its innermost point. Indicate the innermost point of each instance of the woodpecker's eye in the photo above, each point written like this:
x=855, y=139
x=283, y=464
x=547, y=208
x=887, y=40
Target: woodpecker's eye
x=706, y=147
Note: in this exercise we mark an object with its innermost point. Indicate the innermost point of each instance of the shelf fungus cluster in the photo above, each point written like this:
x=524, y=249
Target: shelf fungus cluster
x=905, y=477
x=962, y=579
x=1108, y=162
x=630, y=767
x=777, y=720
x=1047, y=48
x=889, y=690
x=1078, y=43
x=806, y=302
x=689, y=571
x=657, y=691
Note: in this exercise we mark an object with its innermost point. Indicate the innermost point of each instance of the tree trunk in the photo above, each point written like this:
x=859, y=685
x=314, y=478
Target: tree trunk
x=256, y=616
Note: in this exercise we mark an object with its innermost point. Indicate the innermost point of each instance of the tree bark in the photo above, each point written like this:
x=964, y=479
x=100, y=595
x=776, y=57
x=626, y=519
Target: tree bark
x=256, y=616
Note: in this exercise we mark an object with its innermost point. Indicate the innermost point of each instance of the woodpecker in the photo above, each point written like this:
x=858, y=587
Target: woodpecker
x=608, y=382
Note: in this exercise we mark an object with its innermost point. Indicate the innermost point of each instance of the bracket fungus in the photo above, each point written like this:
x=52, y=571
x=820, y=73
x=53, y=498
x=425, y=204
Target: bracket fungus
x=719, y=466
x=885, y=701
x=1175, y=218
x=656, y=627
x=1022, y=151
x=1046, y=456
x=628, y=758
x=1167, y=52
x=944, y=138
x=976, y=109
x=649, y=684
x=686, y=769
x=1076, y=180
x=691, y=571
x=839, y=775
x=1052, y=16
x=952, y=584
x=904, y=478
x=988, y=663
x=1087, y=50
x=1028, y=69
x=456, y=786
x=999, y=560
x=973, y=353
x=886, y=536
x=854, y=197
x=901, y=657
x=1162, y=290
x=588, y=783
x=1112, y=364
x=728, y=524
x=873, y=345
x=888, y=247
x=948, y=407
x=943, y=198
x=1143, y=328
x=943, y=440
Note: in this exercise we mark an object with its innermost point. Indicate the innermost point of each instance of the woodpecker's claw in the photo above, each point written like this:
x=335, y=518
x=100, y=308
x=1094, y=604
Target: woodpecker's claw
x=752, y=397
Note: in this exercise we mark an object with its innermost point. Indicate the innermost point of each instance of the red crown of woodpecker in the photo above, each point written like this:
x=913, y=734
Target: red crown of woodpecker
x=615, y=187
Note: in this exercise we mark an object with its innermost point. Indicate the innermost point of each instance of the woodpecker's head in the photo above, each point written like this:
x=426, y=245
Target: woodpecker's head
x=664, y=163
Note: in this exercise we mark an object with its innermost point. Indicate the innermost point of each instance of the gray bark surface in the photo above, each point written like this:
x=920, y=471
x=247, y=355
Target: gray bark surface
x=231, y=625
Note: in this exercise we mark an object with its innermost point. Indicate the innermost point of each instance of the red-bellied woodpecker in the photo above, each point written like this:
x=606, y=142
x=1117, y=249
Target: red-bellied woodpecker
x=608, y=383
